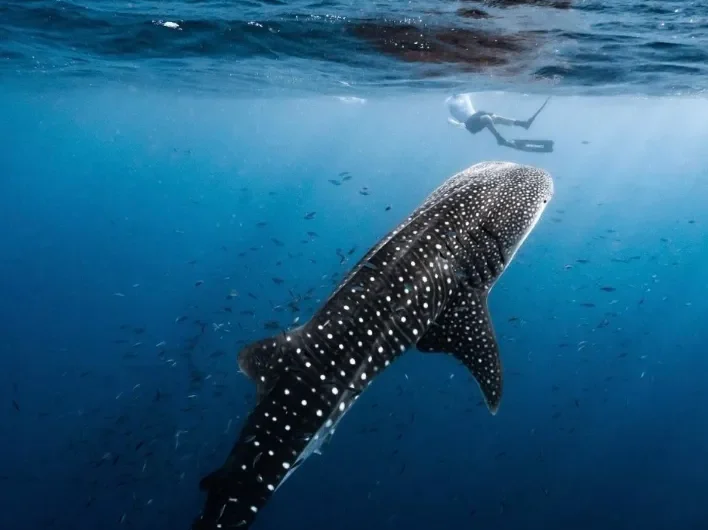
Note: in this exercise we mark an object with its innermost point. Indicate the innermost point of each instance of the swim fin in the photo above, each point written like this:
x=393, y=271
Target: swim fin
x=532, y=146
x=532, y=118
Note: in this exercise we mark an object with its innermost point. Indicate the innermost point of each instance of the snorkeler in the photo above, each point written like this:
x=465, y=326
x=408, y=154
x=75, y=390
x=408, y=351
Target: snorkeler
x=464, y=115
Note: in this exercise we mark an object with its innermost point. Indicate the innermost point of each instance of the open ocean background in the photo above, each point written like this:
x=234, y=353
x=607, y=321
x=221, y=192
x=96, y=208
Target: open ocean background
x=154, y=189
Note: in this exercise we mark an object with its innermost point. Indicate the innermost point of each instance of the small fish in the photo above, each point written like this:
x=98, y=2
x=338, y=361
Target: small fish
x=180, y=319
x=608, y=289
x=16, y=405
x=335, y=182
x=388, y=208
x=278, y=281
x=120, y=295
x=310, y=215
x=198, y=283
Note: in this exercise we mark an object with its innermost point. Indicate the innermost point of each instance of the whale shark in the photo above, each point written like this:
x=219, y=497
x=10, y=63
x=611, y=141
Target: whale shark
x=423, y=285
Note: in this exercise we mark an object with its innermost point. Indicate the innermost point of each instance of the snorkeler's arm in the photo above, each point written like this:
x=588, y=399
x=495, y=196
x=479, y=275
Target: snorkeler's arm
x=454, y=122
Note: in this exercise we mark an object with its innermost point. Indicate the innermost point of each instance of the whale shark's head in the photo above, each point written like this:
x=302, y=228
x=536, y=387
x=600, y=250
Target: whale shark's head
x=512, y=198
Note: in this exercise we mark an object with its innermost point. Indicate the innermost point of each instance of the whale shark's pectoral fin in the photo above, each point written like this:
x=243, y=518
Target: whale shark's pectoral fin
x=263, y=361
x=464, y=330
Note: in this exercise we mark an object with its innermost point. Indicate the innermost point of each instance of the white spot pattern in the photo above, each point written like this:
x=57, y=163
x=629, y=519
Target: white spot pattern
x=436, y=267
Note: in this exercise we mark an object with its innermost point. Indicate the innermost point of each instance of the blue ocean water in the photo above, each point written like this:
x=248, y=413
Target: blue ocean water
x=167, y=198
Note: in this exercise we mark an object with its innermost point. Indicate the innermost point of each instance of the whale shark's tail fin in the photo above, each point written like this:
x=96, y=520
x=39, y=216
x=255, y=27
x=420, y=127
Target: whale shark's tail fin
x=260, y=460
x=273, y=439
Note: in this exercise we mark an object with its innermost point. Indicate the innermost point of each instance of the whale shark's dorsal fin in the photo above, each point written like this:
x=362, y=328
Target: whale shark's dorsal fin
x=464, y=330
x=263, y=360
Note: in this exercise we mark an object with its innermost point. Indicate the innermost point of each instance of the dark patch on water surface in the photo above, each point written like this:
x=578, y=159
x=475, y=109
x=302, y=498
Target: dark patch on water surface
x=472, y=49
x=556, y=4
x=471, y=12
x=319, y=46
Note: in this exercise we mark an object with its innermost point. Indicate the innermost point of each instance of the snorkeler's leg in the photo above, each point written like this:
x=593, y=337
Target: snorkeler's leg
x=489, y=124
x=501, y=120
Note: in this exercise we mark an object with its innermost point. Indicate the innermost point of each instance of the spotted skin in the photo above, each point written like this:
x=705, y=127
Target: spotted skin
x=425, y=284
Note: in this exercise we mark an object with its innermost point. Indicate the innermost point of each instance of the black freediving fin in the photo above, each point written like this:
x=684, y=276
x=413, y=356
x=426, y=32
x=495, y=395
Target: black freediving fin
x=533, y=146
x=464, y=330
x=532, y=118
